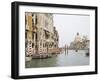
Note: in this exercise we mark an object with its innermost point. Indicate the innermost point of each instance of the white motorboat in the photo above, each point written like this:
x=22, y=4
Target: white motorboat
x=28, y=58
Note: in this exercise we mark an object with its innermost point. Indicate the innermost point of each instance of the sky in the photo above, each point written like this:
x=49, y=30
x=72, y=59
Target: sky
x=68, y=25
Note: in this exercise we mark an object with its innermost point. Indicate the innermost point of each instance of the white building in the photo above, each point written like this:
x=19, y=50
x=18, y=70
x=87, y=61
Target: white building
x=80, y=42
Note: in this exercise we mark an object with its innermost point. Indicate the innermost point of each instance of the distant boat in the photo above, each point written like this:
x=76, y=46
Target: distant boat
x=87, y=52
x=76, y=50
x=28, y=58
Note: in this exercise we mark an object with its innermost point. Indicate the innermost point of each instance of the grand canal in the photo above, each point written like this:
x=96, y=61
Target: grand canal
x=71, y=58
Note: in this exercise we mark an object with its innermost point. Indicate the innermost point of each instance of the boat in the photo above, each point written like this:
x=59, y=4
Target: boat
x=28, y=58
x=87, y=52
x=41, y=56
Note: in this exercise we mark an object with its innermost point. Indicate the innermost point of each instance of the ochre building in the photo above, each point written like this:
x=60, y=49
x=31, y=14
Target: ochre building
x=41, y=37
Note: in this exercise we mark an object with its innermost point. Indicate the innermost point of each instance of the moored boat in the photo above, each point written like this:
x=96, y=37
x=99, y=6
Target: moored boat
x=28, y=58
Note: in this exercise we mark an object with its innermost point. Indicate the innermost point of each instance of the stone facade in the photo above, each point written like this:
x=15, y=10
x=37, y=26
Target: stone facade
x=40, y=34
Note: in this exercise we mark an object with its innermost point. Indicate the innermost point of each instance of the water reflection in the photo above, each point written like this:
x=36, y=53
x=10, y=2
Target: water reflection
x=71, y=59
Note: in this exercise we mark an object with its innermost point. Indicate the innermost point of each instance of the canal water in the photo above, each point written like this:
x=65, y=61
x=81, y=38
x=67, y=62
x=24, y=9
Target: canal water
x=71, y=58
